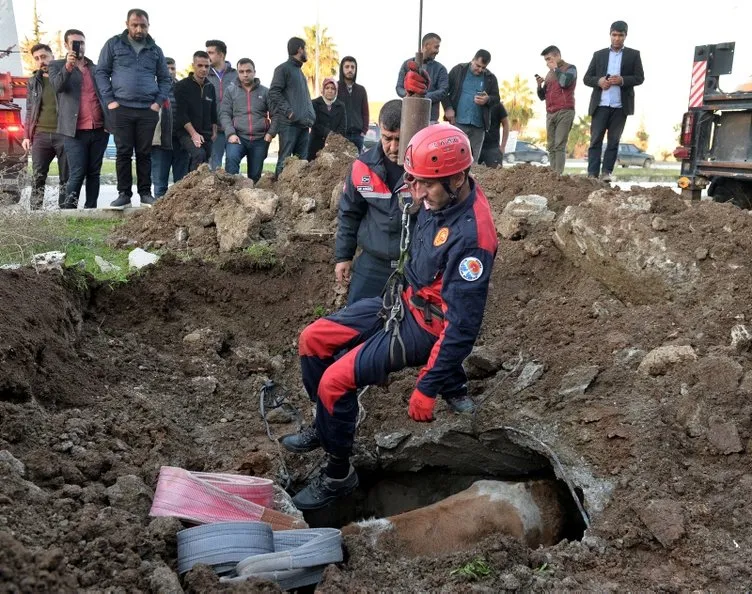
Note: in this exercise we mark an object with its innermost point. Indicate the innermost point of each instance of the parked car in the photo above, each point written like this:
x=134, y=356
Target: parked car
x=526, y=152
x=629, y=154
x=110, y=152
x=372, y=137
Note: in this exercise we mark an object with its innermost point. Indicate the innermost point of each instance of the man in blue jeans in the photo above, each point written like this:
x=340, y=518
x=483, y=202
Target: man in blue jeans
x=244, y=115
x=292, y=104
x=81, y=119
x=168, y=154
x=134, y=81
x=221, y=76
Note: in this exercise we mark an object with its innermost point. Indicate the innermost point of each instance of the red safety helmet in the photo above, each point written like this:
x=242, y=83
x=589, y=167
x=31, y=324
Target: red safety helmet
x=438, y=151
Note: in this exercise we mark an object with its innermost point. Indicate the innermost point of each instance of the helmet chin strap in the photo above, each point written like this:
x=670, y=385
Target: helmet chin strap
x=453, y=194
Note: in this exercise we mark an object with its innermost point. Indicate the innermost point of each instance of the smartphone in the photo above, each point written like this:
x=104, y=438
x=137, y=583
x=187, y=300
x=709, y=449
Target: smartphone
x=76, y=47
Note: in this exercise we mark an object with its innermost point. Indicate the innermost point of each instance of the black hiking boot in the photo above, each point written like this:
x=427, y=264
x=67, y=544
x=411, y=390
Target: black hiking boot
x=461, y=404
x=306, y=440
x=323, y=490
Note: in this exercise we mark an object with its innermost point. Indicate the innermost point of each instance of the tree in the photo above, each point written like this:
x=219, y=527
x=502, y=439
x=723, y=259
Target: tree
x=579, y=138
x=642, y=136
x=29, y=42
x=322, y=54
x=518, y=101
x=58, y=46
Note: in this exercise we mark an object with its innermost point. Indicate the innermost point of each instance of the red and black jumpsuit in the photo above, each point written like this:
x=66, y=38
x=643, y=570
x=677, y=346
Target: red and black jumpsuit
x=448, y=271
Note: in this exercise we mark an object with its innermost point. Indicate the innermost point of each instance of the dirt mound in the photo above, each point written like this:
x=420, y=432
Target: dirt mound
x=647, y=406
x=209, y=212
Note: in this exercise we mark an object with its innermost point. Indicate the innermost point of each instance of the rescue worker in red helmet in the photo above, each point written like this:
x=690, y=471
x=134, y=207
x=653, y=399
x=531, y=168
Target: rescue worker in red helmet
x=438, y=310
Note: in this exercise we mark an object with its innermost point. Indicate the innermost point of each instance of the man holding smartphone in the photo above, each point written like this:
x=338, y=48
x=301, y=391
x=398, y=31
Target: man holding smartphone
x=473, y=91
x=81, y=119
x=557, y=90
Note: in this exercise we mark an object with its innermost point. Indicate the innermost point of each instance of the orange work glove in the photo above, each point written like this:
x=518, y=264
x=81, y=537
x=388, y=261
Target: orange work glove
x=421, y=406
x=417, y=80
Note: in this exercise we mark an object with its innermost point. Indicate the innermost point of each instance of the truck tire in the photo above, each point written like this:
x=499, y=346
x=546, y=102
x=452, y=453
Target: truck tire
x=737, y=192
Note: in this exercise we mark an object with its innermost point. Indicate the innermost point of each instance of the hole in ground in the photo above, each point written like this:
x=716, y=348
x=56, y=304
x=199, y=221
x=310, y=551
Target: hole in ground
x=382, y=494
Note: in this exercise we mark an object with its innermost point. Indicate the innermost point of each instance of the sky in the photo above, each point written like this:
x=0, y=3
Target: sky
x=382, y=34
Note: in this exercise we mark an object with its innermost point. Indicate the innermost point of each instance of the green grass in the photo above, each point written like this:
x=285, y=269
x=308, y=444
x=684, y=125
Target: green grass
x=23, y=235
x=476, y=569
x=87, y=239
x=262, y=255
x=319, y=312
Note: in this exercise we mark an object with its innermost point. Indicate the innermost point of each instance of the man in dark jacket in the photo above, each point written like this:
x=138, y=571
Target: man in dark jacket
x=291, y=101
x=40, y=128
x=134, y=81
x=81, y=119
x=473, y=91
x=437, y=74
x=613, y=73
x=221, y=75
x=166, y=152
x=355, y=99
x=245, y=117
x=330, y=117
x=370, y=218
x=196, y=112
x=495, y=142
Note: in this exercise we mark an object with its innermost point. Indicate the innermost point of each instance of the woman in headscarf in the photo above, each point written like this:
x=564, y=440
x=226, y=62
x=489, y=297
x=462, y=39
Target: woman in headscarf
x=330, y=117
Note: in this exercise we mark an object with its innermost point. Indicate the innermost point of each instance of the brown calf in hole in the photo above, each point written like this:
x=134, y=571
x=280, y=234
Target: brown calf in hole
x=531, y=512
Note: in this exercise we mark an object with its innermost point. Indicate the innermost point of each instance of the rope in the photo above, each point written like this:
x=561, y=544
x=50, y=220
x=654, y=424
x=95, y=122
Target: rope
x=272, y=398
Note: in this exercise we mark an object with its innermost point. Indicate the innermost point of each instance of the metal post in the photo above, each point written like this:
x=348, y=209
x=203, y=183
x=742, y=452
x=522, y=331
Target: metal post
x=416, y=111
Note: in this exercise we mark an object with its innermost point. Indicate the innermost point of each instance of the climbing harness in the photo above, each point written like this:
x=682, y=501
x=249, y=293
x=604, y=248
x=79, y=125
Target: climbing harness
x=392, y=309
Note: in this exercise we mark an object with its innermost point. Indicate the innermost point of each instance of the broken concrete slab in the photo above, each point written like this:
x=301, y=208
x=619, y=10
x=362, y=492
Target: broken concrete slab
x=531, y=373
x=577, y=380
x=53, y=260
x=140, y=258
x=105, y=266
x=613, y=239
x=741, y=338
x=533, y=208
x=264, y=202
x=237, y=226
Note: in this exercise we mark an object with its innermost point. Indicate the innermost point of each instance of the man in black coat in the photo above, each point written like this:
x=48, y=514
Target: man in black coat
x=613, y=73
x=196, y=114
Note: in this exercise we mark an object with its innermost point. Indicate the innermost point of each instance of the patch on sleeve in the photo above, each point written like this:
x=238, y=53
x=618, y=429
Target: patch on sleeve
x=441, y=237
x=471, y=269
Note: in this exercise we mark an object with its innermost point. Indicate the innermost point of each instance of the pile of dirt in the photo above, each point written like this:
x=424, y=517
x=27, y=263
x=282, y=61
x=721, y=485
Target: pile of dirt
x=209, y=212
x=646, y=404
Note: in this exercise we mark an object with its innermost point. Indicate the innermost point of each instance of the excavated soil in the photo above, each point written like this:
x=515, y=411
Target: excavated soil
x=101, y=385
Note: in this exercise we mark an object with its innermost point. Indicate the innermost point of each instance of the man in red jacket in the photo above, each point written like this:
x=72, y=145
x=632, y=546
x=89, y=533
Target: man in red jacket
x=557, y=89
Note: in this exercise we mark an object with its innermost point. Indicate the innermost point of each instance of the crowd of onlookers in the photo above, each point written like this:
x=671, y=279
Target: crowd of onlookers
x=219, y=112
